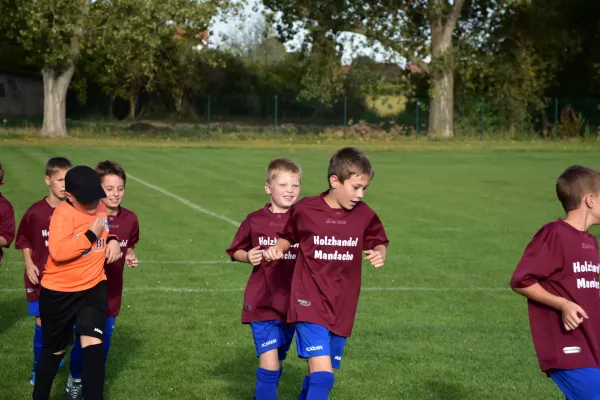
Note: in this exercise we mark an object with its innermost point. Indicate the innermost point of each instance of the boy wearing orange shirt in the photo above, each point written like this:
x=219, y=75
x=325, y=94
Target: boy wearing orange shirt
x=74, y=283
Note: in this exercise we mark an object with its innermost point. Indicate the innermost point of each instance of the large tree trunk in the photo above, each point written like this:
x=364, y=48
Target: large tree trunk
x=441, y=109
x=55, y=100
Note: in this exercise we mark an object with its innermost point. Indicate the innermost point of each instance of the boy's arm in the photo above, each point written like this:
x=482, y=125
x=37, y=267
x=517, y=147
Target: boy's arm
x=32, y=271
x=241, y=247
x=7, y=227
x=65, y=244
x=572, y=314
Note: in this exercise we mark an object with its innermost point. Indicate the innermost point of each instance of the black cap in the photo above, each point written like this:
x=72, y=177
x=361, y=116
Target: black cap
x=84, y=184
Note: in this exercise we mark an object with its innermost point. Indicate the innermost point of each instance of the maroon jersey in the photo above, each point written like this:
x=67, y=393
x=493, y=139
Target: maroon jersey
x=267, y=293
x=33, y=234
x=126, y=226
x=564, y=261
x=327, y=276
x=7, y=222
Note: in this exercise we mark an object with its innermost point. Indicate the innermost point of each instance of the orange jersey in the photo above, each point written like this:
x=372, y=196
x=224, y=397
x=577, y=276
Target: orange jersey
x=74, y=263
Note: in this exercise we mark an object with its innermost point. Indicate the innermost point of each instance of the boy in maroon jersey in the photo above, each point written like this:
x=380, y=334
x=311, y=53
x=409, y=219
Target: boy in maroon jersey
x=266, y=298
x=558, y=273
x=123, y=223
x=32, y=239
x=7, y=219
x=332, y=230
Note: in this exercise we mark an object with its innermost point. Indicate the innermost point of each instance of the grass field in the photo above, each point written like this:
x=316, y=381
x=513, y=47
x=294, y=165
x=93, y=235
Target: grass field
x=437, y=322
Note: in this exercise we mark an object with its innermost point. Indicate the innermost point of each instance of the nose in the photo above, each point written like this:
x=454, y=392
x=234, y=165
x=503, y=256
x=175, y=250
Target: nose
x=360, y=193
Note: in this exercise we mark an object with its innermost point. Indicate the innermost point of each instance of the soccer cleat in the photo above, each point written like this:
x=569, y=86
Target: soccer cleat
x=32, y=378
x=73, y=389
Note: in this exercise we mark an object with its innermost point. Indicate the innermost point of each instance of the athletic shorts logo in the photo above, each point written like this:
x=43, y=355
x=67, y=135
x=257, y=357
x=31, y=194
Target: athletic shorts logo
x=314, y=348
x=270, y=342
x=337, y=358
x=304, y=303
x=572, y=350
x=98, y=331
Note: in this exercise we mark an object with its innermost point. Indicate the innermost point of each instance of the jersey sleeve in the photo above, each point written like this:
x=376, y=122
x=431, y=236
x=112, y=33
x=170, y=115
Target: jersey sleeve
x=242, y=239
x=290, y=230
x=7, y=224
x=375, y=234
x=134, y=238
x=65, y=244
x=23, y=239
x=542, y=257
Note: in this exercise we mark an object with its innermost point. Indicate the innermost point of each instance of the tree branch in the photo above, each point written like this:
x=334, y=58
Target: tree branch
x=453, y=18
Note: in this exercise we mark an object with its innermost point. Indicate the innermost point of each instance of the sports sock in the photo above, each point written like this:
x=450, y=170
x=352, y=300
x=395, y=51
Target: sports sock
x=46, y=369
x=92, y=373
x=38, y=341
x=320, y=384
x=304, y=391
x=266, y=384
x=76, y=362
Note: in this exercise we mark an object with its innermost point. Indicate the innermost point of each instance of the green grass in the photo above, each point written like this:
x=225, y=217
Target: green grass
x=437, y=322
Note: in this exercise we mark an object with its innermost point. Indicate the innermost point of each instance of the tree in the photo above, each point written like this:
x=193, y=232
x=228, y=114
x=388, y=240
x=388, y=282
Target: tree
x=415, y=29
x=127, y=35
x=52, y=33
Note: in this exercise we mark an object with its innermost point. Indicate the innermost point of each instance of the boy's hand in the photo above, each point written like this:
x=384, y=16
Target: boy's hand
x=131, y=259
x=572, y=315
x=33, y=273
x=97, y=226
x=273, y=253
x=375, y=257
x=255, y=256
x=113, y=251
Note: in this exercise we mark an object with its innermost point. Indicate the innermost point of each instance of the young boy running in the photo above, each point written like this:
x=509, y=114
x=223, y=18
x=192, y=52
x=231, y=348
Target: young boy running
x=32, y=239
x=332, y=230
x=7, y=219
x=558, y=273
x=123, y=223
x=73, y=285
x=266, y=298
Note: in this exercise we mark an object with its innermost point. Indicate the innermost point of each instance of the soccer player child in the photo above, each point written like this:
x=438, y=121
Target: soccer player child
x=558, y=273
x=123, y=223
x=7, y=219
x=266, y=298
x=332, y=230
x=32, y=238
x=73, y=286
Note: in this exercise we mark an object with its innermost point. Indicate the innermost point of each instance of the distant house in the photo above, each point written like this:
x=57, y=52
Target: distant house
x=199, y=38
x=21, y=95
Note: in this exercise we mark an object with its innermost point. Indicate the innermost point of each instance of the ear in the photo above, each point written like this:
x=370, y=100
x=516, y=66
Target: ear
x=268, y=189
x=589, y=200
x=47, y=180
x=69, y=196
x=334, y=182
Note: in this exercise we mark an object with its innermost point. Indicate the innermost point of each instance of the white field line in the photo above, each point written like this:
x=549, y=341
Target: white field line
x=229, y=290
x=188, y=203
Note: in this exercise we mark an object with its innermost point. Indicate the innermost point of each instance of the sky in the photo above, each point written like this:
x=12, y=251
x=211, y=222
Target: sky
x=232, y=27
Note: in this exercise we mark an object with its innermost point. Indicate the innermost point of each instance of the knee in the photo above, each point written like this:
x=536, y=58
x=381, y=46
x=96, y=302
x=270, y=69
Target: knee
x=89, y=341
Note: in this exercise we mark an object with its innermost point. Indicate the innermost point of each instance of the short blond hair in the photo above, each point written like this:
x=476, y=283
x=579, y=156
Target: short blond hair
x=282, y=165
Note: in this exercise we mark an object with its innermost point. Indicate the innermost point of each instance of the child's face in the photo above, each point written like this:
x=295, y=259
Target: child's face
x=349, y=193
x=56, y=183
x=87, y=208
x=284, y=189
x=114, y=187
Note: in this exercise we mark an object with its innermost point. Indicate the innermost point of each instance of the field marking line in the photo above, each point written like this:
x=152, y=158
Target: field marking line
x=365, y=289
x=206, y=262
x=188, y=203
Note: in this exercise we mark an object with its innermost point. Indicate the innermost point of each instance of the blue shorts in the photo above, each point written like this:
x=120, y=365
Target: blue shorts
x=33, y=308
x=315, y=340
x=269, y=335
x=578, y=384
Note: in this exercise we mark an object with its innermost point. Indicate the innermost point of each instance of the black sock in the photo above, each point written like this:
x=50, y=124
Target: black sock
x=92, y=373
x=45, y=372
